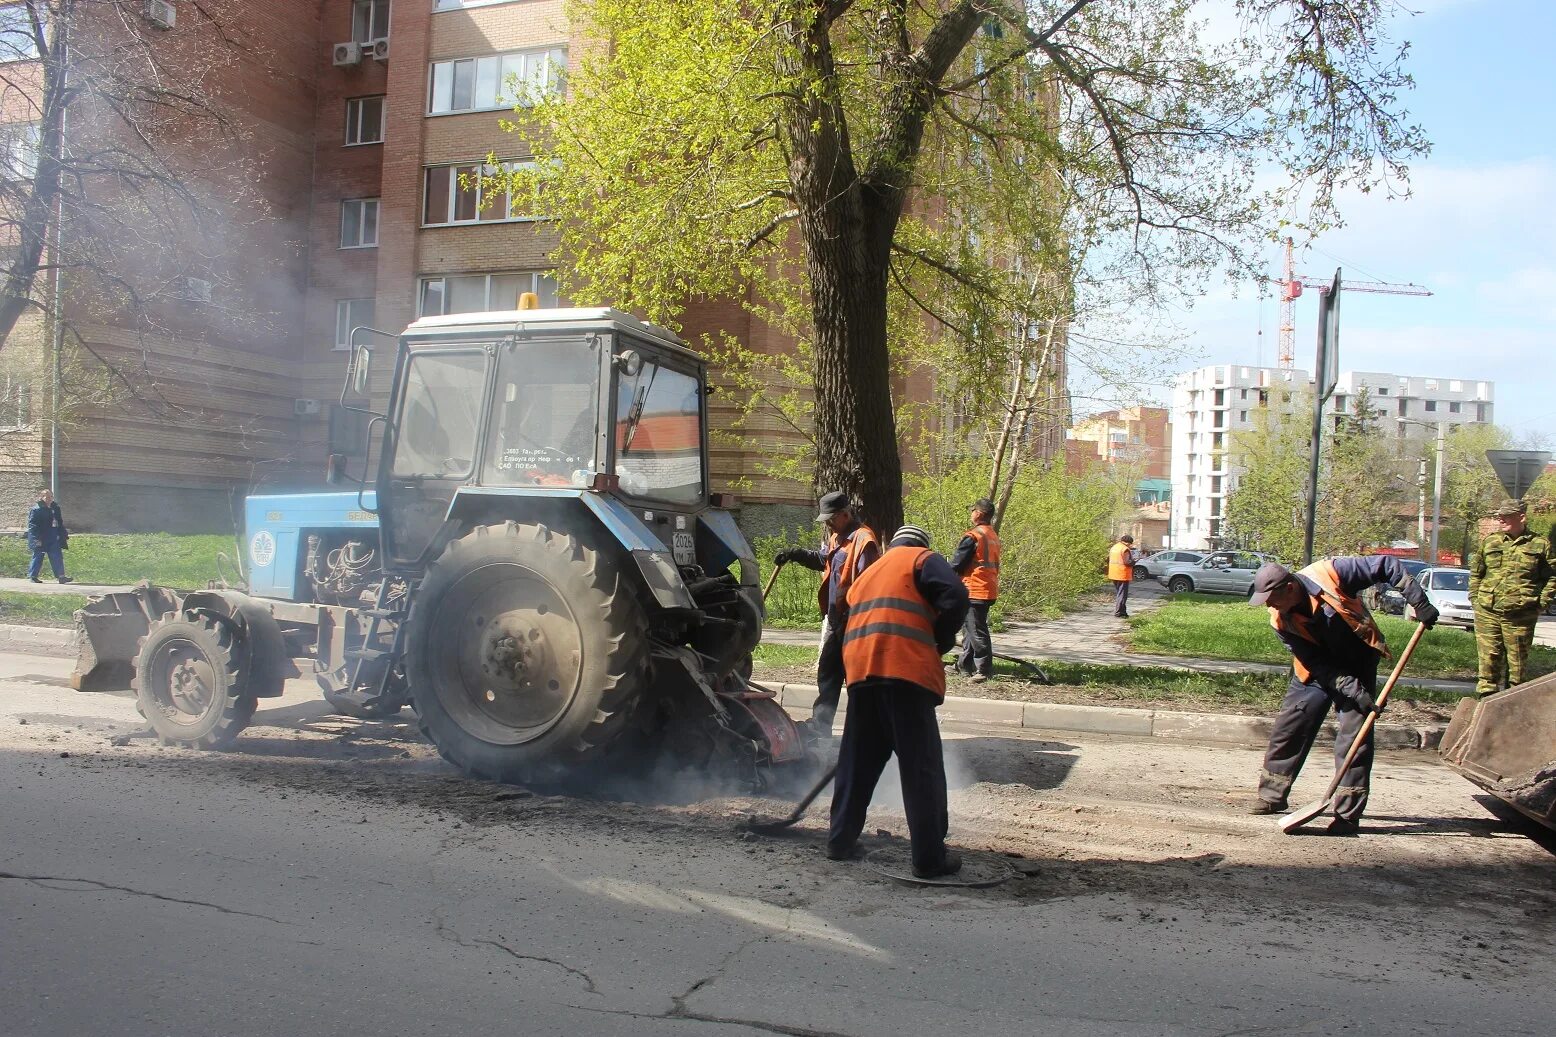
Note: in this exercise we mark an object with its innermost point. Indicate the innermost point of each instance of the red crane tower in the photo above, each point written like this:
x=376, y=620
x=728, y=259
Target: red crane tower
x=1291, y=285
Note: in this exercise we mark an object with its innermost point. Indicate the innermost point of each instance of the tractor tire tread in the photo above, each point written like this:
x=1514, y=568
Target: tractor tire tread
x=238, y=706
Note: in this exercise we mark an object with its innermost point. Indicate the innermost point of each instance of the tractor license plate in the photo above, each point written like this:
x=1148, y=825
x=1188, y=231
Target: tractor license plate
x=684, y=548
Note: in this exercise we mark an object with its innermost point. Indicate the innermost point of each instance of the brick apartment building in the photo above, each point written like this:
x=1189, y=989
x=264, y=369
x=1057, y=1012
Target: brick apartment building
x=361, y=117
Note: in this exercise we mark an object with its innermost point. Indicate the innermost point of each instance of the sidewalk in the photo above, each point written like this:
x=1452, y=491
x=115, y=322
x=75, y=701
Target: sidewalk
x=51, y=586
x=1094, y=636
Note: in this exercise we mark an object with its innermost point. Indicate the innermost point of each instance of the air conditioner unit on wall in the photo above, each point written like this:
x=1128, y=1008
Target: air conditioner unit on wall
x=304, y=408
x=190, y=289
x=347, y=54
x=380, y=49
x=161, y=13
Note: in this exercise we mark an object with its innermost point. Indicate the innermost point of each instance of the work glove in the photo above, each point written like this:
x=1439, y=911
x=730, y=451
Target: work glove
x=1426, y=614
x=1351, y=689
x=784, y=557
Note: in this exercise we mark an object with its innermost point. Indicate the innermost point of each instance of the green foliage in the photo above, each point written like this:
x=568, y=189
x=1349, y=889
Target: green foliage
x=1361, y=482
x=183, y=562
x=1231, y=629
x=919, y=185
x=1054, y=530
x=792, y=601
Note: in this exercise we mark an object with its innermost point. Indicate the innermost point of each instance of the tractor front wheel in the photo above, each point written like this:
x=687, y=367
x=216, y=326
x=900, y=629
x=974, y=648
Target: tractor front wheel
x=526, y=652
x=189, y=682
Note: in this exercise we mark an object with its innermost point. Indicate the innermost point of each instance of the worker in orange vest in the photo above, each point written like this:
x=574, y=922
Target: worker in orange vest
x=903, y=614
x=1335, y=649
x=977, y=562
x=848, y=550
x=1121, y=570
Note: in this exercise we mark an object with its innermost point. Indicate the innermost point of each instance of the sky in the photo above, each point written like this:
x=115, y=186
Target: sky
x=1479, y=231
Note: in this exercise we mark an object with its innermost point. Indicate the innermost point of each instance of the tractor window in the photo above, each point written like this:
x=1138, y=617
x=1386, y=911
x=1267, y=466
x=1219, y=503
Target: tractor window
x=659, y=434
x=436, y=437
x=545, y=425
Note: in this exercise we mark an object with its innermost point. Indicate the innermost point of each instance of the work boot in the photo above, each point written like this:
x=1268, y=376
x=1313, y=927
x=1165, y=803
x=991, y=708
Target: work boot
x=820, y=722
x=950, y=864
x=66, y=579
x=978, y=678
x=1264, y=806
x=843, y=851
x=34, y=579
x=1343, y=826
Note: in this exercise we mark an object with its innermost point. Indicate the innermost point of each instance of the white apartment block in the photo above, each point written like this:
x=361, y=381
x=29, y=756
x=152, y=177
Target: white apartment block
x=1212, y=403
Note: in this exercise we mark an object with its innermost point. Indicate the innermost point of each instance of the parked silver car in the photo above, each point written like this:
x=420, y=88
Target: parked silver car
x=1220, y=572
x=1448, y=589
x=1152, y=566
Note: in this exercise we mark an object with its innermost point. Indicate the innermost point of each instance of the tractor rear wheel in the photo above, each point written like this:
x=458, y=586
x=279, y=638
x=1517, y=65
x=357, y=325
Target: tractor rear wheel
x=190, y=683
x=526, y=652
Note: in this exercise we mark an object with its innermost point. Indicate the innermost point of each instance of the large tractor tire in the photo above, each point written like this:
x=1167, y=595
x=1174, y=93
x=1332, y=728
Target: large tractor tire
x=526, y=653
x=189, y=682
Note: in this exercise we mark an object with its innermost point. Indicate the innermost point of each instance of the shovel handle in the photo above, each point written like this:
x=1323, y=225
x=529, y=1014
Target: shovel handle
x=772, y=580
x=1366, y=728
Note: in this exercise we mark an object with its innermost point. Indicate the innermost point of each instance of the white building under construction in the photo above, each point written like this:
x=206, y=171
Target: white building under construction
x=1211, y=403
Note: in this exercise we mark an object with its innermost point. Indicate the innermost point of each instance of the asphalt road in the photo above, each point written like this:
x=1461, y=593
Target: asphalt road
x=330, y=877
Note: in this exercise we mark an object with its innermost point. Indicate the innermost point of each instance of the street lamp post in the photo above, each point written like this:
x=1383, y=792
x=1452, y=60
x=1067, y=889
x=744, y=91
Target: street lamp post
x=1437, y=488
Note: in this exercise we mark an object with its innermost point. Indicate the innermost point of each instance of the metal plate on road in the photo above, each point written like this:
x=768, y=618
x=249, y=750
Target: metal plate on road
x=979, y=869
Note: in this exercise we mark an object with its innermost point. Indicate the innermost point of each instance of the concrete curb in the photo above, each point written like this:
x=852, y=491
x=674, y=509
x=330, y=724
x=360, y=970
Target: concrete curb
x=58, y=641
x=1212, y=728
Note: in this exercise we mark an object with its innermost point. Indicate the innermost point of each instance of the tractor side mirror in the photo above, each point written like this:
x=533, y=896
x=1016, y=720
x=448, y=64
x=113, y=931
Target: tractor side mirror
x=361, y=366
x=335, y=469
x=630, y=361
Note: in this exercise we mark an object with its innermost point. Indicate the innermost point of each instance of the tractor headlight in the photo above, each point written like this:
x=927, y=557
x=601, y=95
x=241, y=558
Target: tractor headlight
x=664, y=579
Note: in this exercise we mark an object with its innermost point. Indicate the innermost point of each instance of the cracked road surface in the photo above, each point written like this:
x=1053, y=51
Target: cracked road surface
x=334, y=877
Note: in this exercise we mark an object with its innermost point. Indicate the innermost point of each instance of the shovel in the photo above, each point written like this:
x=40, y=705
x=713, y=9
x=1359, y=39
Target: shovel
x=772, y=580
x=1297, y=818
x=772, y=826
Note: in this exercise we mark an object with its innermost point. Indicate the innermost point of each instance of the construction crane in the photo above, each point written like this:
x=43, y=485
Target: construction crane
x=1291, y=285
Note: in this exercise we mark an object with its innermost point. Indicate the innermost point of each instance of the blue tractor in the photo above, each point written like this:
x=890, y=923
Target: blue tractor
x=534, y=562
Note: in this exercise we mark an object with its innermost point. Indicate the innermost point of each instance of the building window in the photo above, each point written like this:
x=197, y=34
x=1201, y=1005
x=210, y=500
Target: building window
x=351, y=313
x=359, y=223
x=1242, y=394
x=1402, y=407
x=15, y=404
x=19, y=146
x=1383, y=390
x=495, y=82
x=365, y=120
x=458, y=194
x=348, y=431
x=475, y=293
x=1242, y=415
x=369, y=20
x=17, y=41
x=1431, y=405
x=1453, y=407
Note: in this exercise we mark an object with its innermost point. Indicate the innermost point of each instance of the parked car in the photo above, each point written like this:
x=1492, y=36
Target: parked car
x=1152, y=566
x=1390, y=600
x=1220, y=572
x=1448, y=589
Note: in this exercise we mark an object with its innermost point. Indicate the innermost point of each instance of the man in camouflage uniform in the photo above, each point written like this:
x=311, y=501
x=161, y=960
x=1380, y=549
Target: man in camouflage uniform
x=1511, y=583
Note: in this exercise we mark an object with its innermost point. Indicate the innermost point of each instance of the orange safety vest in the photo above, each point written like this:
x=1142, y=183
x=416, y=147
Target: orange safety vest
x=1346, y=607
x=1118, y=569
x=891, y=628
x=983, y=579
x=849, y=554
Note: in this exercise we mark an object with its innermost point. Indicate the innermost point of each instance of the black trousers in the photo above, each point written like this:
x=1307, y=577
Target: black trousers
x=1121, y=597
x=1302, y=713
x=829, y=668
x=977, y=654
x=887, y=716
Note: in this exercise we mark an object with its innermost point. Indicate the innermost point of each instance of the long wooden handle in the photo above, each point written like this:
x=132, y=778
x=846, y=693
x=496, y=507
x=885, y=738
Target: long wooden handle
x=772, y=580
x=1366, y=728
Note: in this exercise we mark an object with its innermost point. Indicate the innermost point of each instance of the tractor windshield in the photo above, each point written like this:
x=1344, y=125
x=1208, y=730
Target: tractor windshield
x=442, y=406
x=659, y=434
x=545, y=420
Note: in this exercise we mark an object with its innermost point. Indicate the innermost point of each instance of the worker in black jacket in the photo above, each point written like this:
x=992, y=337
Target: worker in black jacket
x=1335, y=649
x=47, y=535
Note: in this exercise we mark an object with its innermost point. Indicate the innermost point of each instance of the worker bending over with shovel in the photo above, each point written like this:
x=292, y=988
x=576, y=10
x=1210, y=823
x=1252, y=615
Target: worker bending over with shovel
x=1335, y=647
x=903, y=615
